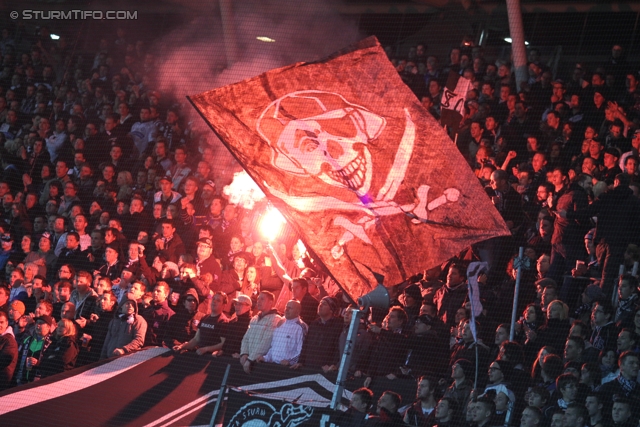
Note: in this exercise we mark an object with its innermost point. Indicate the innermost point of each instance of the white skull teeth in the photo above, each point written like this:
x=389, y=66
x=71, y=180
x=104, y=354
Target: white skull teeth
x=353, y=174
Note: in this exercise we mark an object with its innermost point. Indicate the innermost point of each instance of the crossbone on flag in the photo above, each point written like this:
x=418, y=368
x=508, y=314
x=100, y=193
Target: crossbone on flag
x=361, y=171
x=452, y=102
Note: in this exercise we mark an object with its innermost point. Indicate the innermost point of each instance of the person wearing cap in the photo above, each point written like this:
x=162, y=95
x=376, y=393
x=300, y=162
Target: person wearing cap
x=238, y=324
x=462, y=373
x=111, y=267
x=207, y=194
x=212, y=330
x=231, y=280
x=611, y=168
x=412, y=303
x=320, y=349
x=166, y=195
x=426, y=349
x=31, y=348
x=618, y=225
x=182, y=326
x=206, y=262
x=158, y=315
x=257, y=340
x=169, y=244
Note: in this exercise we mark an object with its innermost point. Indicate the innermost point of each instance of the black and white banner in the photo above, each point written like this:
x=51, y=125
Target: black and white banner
x=158, y=388
x=453, y=98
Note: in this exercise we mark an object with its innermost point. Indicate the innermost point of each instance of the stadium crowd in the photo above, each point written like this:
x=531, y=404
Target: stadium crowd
x=114, y=236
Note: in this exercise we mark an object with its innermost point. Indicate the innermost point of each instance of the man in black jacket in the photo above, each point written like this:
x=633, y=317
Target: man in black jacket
x=618, y=212
x=320, y=346
x=567, y=242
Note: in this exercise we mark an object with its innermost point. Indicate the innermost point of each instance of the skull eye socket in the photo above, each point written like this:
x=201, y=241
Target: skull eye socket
x=307, y=144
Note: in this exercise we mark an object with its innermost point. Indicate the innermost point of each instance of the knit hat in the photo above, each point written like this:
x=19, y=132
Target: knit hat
x=467, y=367
x=594, y=292
x=18, y=306
x=191, y=293
x=414, y=292
x=333, y=304
x=425, y=318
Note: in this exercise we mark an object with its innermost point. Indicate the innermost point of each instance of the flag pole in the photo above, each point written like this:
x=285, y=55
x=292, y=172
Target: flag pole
x=345, y=361
x=221, y=394
x=516, y=290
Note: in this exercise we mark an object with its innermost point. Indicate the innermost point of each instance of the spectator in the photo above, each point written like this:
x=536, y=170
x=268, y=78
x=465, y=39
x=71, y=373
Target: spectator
x=212, y=330
x=447, y=412
x=288, y=338
x=321, y=343
x=96, y=328
x=300, y=289
x=625, y=383
x=388, y=414
x=422, y=411
x=8, y=352
x=126, y=331
x=158, y=315
x=604, y=333
x=183, y=325
x=357, y=413
x=617, y=211
x=257, y=340
x=239, y=324
x=61, y=355
x=31, y=349
x=621, y=412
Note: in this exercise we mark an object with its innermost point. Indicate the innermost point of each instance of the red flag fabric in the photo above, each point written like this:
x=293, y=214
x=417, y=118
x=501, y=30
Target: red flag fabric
x=362, y=172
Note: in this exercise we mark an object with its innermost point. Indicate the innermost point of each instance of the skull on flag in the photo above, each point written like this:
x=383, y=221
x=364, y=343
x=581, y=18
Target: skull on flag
x=322, y=134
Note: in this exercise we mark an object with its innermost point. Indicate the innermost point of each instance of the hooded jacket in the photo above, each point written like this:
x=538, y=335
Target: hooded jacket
x=125, y=332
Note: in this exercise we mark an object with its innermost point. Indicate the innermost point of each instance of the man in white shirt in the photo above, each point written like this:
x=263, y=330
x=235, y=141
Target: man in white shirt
x=288, y=337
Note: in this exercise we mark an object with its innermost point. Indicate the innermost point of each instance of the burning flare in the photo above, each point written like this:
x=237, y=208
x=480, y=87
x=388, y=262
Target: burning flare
x=271, y=223
x=243, y=191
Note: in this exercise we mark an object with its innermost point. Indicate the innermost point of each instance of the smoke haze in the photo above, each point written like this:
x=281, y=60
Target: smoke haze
x=194, y=59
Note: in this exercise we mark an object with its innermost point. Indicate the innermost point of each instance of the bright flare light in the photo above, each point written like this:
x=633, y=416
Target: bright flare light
x=243, y=191
x=266, y=39
x=271, y=223
x=54, y=36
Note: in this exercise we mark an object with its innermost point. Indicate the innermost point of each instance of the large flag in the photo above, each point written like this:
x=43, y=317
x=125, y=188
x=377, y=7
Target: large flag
x=452, y=102
x=362, y=172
